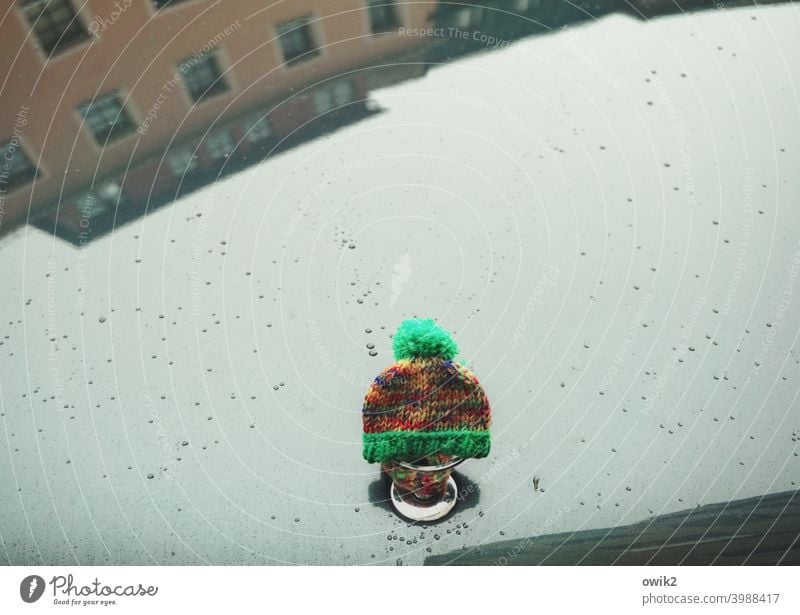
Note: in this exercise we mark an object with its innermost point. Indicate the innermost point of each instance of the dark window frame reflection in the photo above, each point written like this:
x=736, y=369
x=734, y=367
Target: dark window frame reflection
x=383, y=16
x=182, y=160
x=55, y=24
x=220, y=143
x=106, y=118
x=16, y=167
x=333, y=96
x=204, y=78
x=298, y=40
x=165, y=4
x=98, y=200
x=257, y=128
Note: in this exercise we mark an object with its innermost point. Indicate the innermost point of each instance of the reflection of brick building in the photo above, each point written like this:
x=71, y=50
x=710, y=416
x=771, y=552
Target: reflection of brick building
x=201, y=158
x=110, y=110
x=116, y=108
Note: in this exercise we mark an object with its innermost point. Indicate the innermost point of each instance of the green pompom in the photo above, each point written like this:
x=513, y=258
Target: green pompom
x=422, y=338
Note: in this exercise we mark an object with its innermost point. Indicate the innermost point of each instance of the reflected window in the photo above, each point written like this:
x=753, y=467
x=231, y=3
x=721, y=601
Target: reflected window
x=106, y=118
x=202, y=77
x=182, y=160
x=110, y=192
x=257, y=129
x=55, y=23
x=16, y=169
x=219, y=144
x=469, y=17
x=160, y=4
x=89, y=205
x=106, y=196
x=336, y=95
x=323, y=100
x=382, y=16
x=297, y=40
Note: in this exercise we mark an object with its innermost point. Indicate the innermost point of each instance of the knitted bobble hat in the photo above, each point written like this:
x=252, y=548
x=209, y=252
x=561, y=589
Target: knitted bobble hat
x=425, y=403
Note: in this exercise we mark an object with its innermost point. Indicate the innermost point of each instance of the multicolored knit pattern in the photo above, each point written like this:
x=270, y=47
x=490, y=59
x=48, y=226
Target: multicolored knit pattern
x=425, y=403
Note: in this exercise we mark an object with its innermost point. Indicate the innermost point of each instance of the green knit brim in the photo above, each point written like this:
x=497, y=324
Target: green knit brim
x=412, y=445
